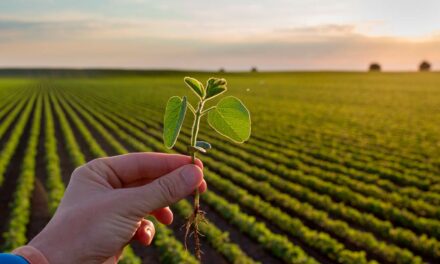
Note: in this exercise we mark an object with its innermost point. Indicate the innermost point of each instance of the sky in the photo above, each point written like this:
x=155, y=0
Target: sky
x=229, y=34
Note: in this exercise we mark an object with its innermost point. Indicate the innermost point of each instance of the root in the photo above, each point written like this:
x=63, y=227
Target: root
x=192, y=228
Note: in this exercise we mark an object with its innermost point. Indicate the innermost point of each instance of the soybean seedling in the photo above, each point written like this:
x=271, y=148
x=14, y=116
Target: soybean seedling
x=229, y=117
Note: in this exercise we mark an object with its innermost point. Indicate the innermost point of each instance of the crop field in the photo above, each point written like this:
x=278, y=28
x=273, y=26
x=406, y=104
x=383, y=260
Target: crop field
x=340, y=167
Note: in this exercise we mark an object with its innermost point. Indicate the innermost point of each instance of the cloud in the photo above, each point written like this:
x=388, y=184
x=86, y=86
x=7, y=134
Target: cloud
x=72, y=25
x=90, y=40
x=326, y=29
x=16, y=29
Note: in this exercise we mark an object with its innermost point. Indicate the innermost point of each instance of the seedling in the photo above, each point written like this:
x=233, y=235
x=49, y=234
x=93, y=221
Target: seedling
x=229, y=118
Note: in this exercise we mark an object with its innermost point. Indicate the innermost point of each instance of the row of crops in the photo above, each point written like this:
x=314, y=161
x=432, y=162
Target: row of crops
x=295, y=193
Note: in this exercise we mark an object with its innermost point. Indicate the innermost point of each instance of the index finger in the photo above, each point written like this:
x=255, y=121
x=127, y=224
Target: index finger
x=147, y=166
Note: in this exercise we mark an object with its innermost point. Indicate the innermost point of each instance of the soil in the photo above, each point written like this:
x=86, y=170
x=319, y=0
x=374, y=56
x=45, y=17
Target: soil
x=96, y=135
x=66, y=164
x=252, y=248
x=276, y=230
x=79, y=138
x=148, y=255
x=209, y=254
x=40, y=215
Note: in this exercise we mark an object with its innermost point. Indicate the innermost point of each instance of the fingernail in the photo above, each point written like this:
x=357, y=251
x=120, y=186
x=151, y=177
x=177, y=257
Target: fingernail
x=188, y=173
x=149, y=237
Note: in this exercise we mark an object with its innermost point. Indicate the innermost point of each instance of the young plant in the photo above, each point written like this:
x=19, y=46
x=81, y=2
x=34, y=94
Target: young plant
x=229, y=118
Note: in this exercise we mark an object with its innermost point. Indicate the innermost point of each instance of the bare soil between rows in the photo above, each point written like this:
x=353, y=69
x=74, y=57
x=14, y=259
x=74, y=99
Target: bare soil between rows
x=40, y=215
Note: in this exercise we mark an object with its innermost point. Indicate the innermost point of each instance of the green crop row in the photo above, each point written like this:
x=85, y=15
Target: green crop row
x=386, y=179
x=404, y=237
x=20, y=206
x=375, y=143
x=430, y=196
x=73, y=149
x=370, y=177
x=100, y=129
x=170, y=249
x=54, y=182
x=14, y=138
x=11, y=116
x=94, y=147
x=356, y=155
x=217, y=238
x=279, y=245
x=10, y=104
x=312, y=135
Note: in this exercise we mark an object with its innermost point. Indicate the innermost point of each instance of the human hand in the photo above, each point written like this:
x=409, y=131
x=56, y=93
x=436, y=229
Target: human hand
x=105, y=203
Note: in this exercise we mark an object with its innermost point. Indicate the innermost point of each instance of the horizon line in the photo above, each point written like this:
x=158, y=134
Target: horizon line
x=134, y=69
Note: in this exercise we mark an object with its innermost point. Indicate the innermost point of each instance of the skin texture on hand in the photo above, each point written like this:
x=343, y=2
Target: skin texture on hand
x=105, y=203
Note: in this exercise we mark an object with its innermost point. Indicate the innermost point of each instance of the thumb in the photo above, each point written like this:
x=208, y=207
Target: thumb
x=165, y=190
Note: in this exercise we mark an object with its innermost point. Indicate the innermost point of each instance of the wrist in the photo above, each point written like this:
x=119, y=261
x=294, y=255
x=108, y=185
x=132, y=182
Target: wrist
x=31, y=255
x=52, y=243
x=43, y=245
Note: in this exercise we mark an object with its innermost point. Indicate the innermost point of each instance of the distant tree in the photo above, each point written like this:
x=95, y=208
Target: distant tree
x=254, y=69
x=222, y=70
x=375, y=67
x=424, y=66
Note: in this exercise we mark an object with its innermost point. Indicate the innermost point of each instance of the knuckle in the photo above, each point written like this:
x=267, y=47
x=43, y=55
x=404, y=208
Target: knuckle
x=94, y=163
x=168, y=189
x=89, y=169
x=78, y=171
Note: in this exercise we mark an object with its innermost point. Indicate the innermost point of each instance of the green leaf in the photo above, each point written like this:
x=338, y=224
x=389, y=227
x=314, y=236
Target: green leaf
x=231, y=119
x=173, y=119
x=196, y=86
x=214, y=87
x=203, y=144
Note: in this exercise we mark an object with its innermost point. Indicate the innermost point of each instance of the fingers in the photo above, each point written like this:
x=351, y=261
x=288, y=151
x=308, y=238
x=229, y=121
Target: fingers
x=145, y=166
x=203, y=187
x=145, y=233
x=165, y=190
x=163, y=215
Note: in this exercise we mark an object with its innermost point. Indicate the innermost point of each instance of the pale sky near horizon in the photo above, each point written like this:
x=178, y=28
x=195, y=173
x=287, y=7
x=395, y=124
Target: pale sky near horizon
x=235, y=35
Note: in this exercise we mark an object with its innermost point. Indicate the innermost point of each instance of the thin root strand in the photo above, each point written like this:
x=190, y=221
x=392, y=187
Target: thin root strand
x=192, y=228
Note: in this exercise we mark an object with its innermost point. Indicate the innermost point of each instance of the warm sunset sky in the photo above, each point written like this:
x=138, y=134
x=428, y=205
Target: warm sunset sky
x=234, y=34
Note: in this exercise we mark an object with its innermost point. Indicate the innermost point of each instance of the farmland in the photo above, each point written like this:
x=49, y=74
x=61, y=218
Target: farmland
x=340, y=167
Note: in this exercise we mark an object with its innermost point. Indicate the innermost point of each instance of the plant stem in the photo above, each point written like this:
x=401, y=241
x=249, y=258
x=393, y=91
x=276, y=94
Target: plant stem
x=194, y=219
x=195, y=128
